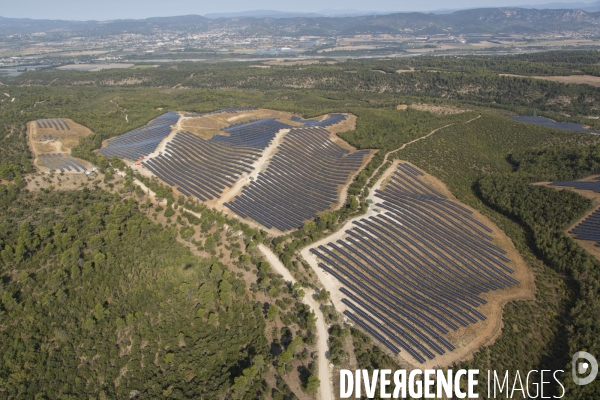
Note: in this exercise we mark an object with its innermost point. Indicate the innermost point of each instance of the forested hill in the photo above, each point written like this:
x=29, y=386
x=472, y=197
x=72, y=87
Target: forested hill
x=485, y=20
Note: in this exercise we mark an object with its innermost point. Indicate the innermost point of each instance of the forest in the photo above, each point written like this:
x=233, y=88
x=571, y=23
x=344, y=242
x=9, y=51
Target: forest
x=472, y=80
x=104, y=295
x=97, y=299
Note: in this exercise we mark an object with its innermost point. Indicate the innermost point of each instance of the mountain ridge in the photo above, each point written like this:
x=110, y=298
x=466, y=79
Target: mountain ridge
x=482, y=20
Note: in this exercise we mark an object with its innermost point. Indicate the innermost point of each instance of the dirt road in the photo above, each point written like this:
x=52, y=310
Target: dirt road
x=325, y=391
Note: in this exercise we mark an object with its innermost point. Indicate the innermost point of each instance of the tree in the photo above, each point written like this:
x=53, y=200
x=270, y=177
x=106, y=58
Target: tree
x=322, y=296
x=285, y=358
x=295, y=345
x=312, y=385
x=272, y=312
x=259, y=362
x=240, y=387
x=309, y=227
x=353, y=203
x=225, y=291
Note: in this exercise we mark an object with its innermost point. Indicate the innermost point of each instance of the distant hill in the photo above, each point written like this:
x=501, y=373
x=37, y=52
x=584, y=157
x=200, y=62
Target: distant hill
x=484, y=20
x=330, y=12
x=595, y=6
x=262, y=14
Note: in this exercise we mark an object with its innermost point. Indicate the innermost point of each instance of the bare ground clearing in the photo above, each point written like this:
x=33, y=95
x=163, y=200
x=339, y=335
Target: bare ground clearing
x=44, y=180
x=438, y=109
x=209, y=125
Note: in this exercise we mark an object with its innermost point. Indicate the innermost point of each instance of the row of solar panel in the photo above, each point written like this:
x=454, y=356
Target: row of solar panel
x=56, y=123
x=57, y=161
x=49, y=137
x=589, y=228
x=594, y=186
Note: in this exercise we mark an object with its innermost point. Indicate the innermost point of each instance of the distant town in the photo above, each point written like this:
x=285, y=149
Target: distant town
x=94, y=45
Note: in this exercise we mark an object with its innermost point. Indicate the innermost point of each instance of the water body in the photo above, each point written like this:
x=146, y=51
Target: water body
x=12, y=71
x=548, y=123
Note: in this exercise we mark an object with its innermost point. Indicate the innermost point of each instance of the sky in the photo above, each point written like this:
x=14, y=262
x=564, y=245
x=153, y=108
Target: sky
x=122, y=9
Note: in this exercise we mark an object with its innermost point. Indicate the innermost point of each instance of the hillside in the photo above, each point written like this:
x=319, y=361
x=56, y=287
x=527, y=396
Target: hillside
x=119, y=258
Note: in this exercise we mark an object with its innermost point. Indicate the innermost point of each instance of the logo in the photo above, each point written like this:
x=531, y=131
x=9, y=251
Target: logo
x=582, y=367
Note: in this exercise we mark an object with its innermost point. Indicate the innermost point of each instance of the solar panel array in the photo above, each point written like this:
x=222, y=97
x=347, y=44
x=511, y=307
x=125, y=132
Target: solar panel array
x=253, y=134
x=589, y=229
x=223, y=111
x=302, y=179
x=202, y=168
x=416, y=271
x=548, y=123
x=58, y=162
x=593, y=185
x=142, y=141
x=331, y=120
x=54, y=123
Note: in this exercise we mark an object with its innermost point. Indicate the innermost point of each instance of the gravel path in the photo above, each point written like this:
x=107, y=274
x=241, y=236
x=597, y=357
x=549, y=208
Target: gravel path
x=325, y=391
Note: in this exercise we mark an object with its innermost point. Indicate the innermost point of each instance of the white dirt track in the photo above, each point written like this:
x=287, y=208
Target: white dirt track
x=325, y=390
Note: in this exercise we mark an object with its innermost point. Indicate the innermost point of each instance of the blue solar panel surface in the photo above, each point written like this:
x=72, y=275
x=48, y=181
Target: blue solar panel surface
x=142, y=141
x=416, y=271
x=59, y=162
x=301, y=180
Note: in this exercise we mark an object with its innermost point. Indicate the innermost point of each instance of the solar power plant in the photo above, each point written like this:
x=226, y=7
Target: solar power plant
x=302, y=179
x=58, y=162
x=202, y=168
x=415, y=272
x=252, y=134
x=55, y=123
x=142, y=141
x=589, y=228
x=594, y=186
x=331, y=120
x=223, y=111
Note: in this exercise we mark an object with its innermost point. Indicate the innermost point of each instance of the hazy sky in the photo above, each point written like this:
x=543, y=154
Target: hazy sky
x=115, y=9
